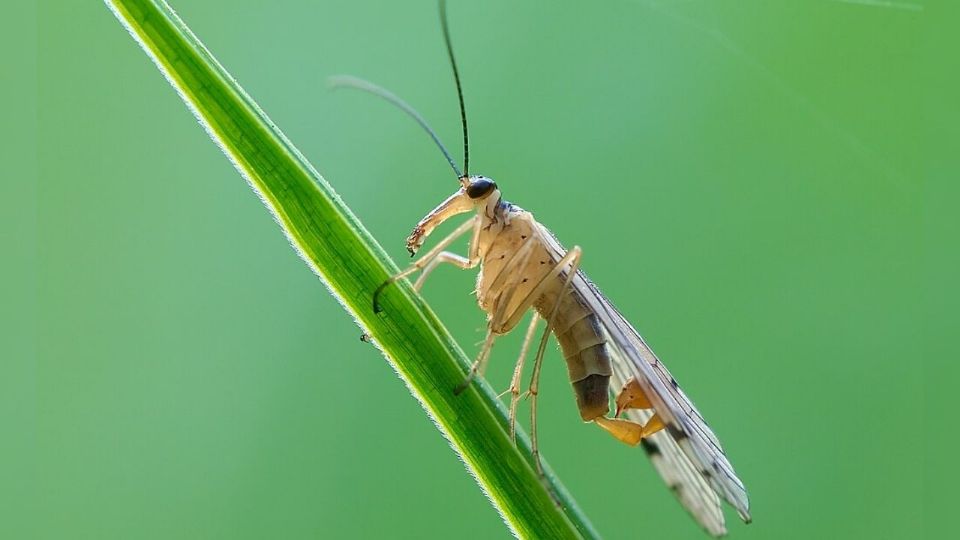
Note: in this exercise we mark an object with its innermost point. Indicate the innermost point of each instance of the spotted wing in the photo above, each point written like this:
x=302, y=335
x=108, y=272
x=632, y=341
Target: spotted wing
x=686, y=453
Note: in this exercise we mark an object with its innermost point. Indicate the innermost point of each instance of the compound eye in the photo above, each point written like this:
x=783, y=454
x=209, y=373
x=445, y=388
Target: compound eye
x=481, y=187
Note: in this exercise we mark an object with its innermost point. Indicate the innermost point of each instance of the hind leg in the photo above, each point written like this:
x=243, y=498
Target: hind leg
x=572, y=260
x=507, y=281
x=518, y=373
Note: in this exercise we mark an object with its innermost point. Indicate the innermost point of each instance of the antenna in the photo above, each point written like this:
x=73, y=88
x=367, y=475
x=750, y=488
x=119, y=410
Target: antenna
x=456, y=78
x=347, y=81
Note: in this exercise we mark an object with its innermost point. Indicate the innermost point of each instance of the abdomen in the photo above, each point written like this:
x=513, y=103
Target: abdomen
x=585, y=349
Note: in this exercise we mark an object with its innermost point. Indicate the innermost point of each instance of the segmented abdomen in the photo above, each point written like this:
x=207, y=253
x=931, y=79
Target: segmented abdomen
x=585, y=349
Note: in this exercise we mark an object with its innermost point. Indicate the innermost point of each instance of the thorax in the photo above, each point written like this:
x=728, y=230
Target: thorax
x=515, y=258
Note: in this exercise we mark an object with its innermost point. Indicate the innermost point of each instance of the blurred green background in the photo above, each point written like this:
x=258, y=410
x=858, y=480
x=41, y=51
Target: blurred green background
x=754, y=184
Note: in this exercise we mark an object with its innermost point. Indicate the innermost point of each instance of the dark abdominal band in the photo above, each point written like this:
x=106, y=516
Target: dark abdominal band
x=585, y=350
x=588, y=362
x=592, y=397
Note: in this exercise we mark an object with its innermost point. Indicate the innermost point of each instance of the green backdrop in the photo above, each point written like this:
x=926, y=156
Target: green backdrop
x=754, y=184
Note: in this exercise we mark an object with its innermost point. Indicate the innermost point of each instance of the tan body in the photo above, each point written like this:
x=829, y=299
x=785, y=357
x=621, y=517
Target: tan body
x=575, y=326
x=523, y=268
x=521, y=271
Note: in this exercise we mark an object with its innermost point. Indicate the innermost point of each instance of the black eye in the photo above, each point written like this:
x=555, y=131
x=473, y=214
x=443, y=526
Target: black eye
x=480, y=187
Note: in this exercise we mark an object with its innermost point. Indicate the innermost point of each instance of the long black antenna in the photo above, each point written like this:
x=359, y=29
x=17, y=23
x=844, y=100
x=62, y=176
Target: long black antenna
x=456, y=78
x=346, y=81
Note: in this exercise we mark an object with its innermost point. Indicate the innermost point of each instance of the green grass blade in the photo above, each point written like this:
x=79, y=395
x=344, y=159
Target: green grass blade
x=331, y=240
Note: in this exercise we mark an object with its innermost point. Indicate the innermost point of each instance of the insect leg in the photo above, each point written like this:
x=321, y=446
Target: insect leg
x=443, y=257
x=424, y=261
x=505, y=282
x=518, y=373
x=572, y=258
x=479, y=365
x=505, y=324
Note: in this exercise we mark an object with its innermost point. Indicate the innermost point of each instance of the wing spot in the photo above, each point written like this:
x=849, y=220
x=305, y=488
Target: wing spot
x=650, y=447
x=677, y=433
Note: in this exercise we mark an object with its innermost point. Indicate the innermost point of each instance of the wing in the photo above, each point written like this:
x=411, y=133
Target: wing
x=686, y=453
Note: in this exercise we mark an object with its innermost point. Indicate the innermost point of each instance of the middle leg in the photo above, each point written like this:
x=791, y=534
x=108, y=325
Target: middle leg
x=505, y=284
x=571, y=259
x=518, y=373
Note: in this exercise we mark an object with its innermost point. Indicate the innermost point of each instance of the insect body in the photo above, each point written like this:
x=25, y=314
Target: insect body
x=522, y=268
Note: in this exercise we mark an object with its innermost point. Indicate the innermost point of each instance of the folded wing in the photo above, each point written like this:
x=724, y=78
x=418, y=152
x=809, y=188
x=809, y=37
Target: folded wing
x=686, y=453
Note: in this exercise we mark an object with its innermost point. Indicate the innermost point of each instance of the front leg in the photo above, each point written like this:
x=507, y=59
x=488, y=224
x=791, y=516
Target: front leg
x=435, y=256
x=459, y=261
